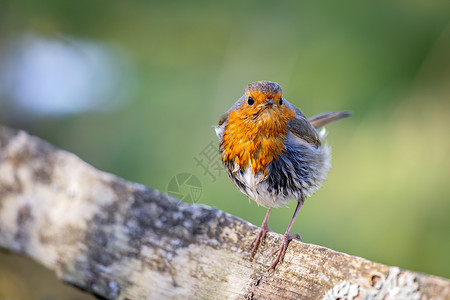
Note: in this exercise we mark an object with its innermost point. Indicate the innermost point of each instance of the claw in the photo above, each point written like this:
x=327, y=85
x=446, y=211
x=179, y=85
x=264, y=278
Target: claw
x=261, y=235
x=283, y=248
x=259, y=238
x=287, y=237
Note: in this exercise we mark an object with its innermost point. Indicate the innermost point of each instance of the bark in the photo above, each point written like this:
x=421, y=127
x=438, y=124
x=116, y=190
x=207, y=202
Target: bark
x=122, y=240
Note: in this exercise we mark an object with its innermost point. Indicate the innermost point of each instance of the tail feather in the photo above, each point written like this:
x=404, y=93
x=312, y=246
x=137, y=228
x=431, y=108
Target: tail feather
x=326, y=118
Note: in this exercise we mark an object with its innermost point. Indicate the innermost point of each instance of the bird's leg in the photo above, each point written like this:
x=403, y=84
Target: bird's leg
x=259, y=238
x=287, y=237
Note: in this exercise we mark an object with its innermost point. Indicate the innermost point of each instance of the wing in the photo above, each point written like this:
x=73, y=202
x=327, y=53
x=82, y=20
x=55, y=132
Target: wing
x=301, y=128
x=326, y=118
x=306, y=128
x=223, y=118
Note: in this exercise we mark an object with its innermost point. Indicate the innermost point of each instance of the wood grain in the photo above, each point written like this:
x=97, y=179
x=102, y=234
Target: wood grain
x=122, y=240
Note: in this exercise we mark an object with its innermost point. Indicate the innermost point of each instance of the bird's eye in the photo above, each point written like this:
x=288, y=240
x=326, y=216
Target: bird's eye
x=281, y=101
x=250, y=101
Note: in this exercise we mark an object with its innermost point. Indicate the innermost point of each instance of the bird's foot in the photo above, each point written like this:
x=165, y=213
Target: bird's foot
x=259, y=238
x=282, y=250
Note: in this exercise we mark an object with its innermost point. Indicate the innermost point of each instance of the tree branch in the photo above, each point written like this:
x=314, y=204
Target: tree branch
x=122, y=240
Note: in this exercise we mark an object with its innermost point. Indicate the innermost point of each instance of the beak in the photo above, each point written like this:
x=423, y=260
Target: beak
x=269, y=102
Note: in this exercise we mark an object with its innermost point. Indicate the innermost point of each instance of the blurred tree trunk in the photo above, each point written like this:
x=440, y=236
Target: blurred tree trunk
x=118, y=239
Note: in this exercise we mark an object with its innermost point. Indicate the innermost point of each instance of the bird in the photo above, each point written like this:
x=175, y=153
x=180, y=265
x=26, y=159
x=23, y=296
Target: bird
x=273, y=153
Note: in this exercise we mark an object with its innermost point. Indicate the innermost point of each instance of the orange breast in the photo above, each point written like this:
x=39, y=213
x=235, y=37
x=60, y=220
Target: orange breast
x=256, y=142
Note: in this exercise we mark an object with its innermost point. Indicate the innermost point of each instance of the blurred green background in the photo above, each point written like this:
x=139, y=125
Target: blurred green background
x=135, y=88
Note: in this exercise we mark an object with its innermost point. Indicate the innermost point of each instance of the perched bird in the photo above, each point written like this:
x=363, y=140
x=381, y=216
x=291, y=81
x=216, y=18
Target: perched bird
x=273, y=153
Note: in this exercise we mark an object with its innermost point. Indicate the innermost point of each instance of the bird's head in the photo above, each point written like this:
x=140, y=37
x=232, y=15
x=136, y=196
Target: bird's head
x=263, y=103
x=255, y=130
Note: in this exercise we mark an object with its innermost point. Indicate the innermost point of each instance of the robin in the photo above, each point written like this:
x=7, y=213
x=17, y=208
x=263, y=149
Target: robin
x=273, y=153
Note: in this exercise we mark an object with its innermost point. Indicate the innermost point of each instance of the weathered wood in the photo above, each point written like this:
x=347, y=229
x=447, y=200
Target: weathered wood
x=122, y=240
